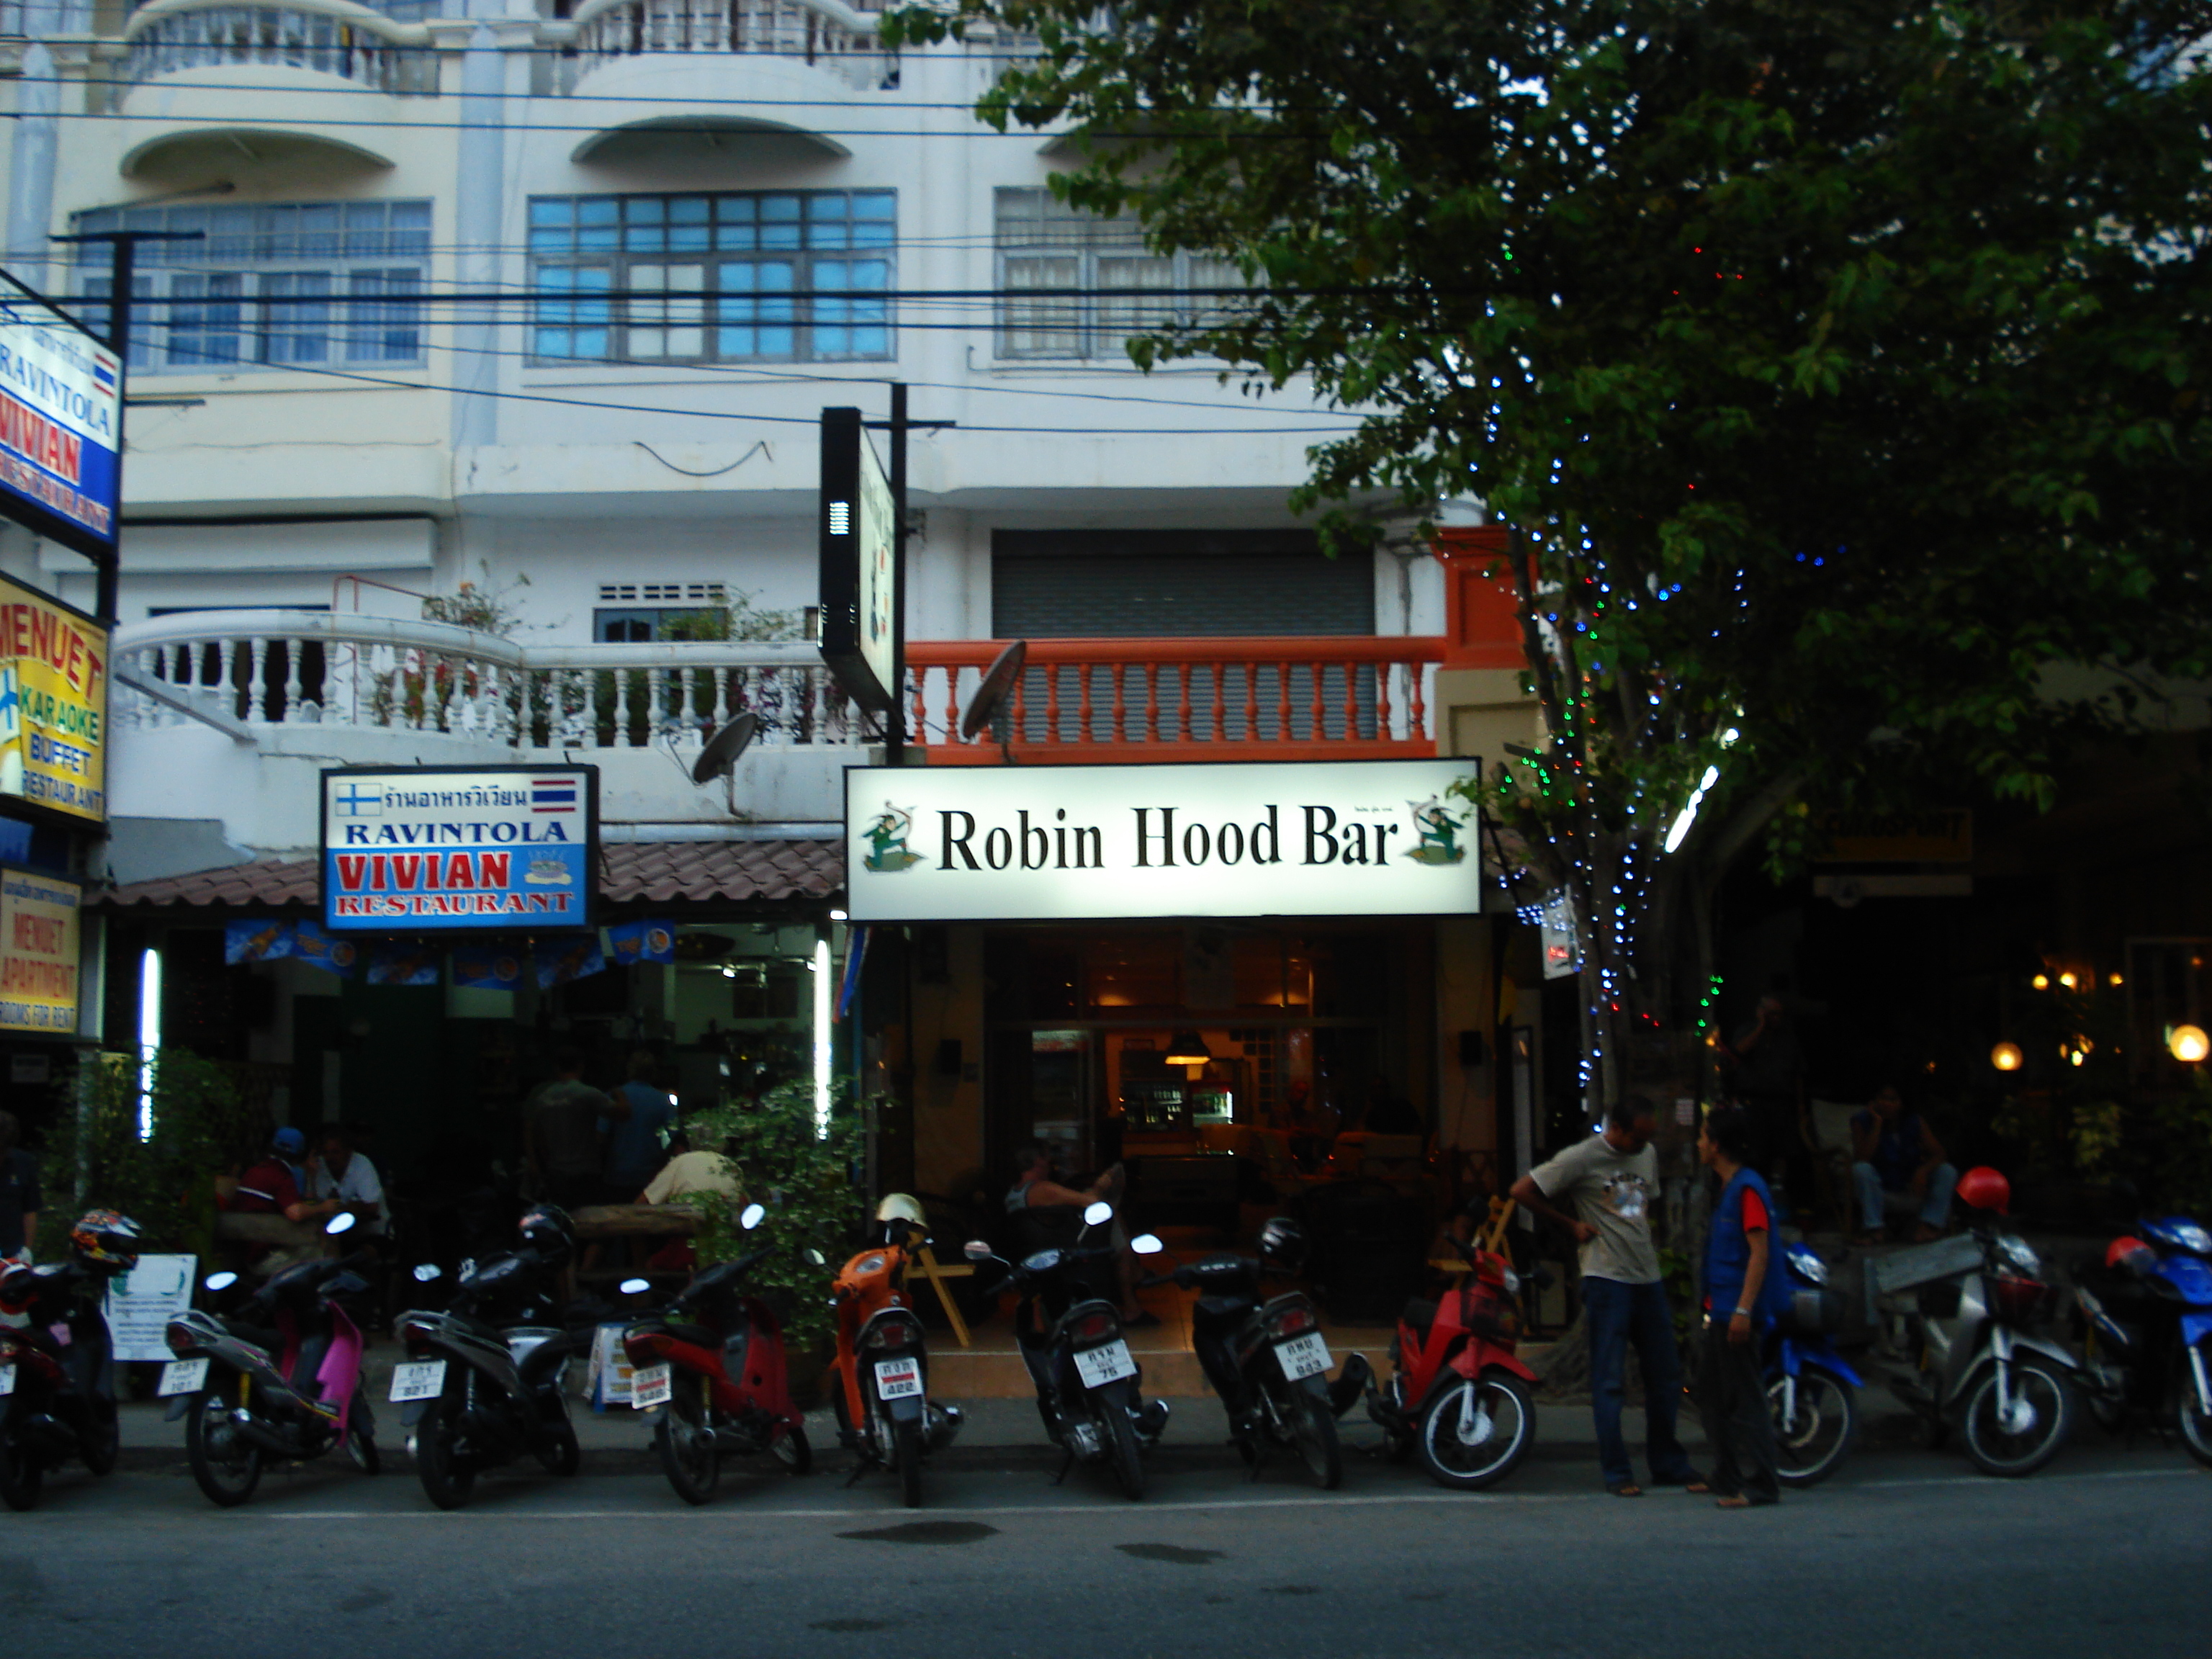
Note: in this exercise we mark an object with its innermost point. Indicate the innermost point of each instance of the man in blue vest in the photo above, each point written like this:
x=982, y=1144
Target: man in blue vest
x=1742, y=1300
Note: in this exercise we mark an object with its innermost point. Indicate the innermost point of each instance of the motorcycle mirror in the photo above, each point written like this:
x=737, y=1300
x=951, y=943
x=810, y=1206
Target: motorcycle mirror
x=976, y=1250
x=635, y=1286
x=816, y=1256
x=751, y=1216
x=343, y=1221
x=219, y=1281
x=1146, y=1244
x=1099, y=1214
x=426, y=1272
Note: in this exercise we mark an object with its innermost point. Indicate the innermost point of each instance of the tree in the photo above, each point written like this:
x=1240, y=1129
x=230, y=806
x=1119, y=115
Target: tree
x=1837, y=367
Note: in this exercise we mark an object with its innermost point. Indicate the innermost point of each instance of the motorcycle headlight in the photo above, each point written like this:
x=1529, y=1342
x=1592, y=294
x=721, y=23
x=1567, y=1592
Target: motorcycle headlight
x=1807, y=1266
x=1512, y=1282
x=2194, y=1237
x=2017, y=1253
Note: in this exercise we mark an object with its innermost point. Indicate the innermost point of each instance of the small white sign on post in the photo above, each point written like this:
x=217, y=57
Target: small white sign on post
x=608, y=1381
x=141, y=1303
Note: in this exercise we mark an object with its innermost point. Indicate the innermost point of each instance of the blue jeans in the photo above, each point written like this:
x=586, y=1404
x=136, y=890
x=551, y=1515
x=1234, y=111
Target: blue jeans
x=1619, y=1314
x=1874, y=1198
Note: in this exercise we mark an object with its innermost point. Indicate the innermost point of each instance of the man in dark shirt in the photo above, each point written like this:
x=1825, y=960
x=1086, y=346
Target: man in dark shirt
x=19, y=1194
x=1893, y=1151
x=272, y=1186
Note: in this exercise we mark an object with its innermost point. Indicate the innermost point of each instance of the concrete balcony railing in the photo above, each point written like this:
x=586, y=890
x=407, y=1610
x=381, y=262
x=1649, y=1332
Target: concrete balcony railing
x=249, y=669
x=1185, y=698
x=826, y=34
x=329, y=37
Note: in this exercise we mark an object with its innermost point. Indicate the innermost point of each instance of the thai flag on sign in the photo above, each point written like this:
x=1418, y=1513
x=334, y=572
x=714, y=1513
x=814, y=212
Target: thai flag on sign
x=103, y=373
x=552, y=794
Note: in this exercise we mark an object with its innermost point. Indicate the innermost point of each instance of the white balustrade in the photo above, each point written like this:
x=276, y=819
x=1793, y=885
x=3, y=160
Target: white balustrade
x=352, y=48
x=828, y=33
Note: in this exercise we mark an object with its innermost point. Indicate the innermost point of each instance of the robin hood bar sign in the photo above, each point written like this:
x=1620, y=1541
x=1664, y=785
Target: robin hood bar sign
x=1343, y=838
x=509, y=848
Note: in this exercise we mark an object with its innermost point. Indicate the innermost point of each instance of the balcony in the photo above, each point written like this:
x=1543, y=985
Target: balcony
x=824, y=33
x=329, y=37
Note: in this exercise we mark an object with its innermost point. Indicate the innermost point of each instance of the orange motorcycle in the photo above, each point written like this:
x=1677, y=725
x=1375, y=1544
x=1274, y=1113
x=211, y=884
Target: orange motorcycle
x=879, y=1380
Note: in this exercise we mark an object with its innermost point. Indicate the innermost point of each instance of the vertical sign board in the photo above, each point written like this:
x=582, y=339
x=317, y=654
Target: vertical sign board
x=40, y=942
x=860, y=549
x=61, y=412
x=453, y=848
x=53, y=705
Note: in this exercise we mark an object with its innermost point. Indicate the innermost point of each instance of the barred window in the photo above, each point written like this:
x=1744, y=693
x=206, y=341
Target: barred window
x=795, y=275
x=1043, y=244
x=283, y=284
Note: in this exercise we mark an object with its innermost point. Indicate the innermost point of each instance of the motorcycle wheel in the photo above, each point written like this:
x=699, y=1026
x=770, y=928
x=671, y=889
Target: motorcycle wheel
x=2195, y=1425
x=1313, y=1431
x=1121, y=1431
x=687, y=1445
x=792, y=1449
x=1996, y=1450
x=19, y=1475
x=104, y=1444
x=1451, y=1461
x=226, y=1467
x=447, y=1474
x=905, y=1442
x=1810, y=1445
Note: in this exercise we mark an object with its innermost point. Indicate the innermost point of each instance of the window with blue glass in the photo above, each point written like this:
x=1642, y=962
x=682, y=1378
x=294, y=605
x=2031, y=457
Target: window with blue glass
x=289, y=285
x=797, y=275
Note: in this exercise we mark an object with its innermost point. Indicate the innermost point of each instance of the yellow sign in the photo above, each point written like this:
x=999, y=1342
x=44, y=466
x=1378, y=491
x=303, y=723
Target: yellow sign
x=53, y=704
x=38, y=949
x=1935, y=835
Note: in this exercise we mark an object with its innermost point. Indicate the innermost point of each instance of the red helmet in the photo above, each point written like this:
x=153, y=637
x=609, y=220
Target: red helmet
x=2124, y=1250
x=1986, y=1189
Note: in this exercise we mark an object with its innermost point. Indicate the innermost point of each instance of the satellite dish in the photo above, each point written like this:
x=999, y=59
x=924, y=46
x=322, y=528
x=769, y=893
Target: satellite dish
x=997, y=682
x=722, y=750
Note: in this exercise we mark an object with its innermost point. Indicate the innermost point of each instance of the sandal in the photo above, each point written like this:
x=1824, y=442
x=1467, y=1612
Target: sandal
x=1628, y=1489
x=1735, y=1500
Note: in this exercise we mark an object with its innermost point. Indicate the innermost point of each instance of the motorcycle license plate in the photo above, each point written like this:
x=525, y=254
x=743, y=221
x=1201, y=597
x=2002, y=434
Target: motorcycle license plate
x=418, y=1379
x=651, y=1387
x=1303, y=1356
x=1099, y=1366
x=7, y=1379
x=183, y=1377
x=898, y=1379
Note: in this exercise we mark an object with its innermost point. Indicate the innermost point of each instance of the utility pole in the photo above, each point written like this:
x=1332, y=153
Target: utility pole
x=122, y=277
x=898, y=426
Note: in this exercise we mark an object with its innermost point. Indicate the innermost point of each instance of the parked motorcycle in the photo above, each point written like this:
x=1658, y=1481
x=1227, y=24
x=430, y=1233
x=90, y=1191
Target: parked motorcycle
x=481, y=1386
x=1978, y=1364
x=58, y=1370
x=710, y=1367
x=2146, y=1319
x=1267, y=1358
x=879, y=1379
x=1458, y=1395
x=1812, y=1388
x=1088, y=1384
x=279, y=1379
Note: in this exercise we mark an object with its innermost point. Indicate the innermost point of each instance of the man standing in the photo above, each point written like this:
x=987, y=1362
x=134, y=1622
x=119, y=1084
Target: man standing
x=641, y=1113
x=1742, y=1299
x=19, y=1194
x=1611, y=1181
x=561, y=1133
x=1767, y=1076
x=1894, y=1150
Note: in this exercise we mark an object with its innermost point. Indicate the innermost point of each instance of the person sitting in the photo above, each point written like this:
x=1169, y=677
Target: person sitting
x=272, y=1186
x=687, y=1174
x=343, y=1174
x=1049, y=1215
x=632, y=1133
x=1896, y=1155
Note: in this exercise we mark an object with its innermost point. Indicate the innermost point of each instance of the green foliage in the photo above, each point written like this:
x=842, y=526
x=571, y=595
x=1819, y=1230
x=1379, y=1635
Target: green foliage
x=687, y=697
x=1839, y=369
x=807, y=1184
x=201, y=1128
x=486, y=609
x=2180, y=1131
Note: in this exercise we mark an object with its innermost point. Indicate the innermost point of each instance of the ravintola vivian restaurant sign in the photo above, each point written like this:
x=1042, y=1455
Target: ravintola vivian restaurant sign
x=1335, y=838
x=511, y=848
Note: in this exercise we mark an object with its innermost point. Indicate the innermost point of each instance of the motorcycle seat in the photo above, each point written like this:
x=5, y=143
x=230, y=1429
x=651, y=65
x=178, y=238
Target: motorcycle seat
x=697, y=1335
x=1222, y=1310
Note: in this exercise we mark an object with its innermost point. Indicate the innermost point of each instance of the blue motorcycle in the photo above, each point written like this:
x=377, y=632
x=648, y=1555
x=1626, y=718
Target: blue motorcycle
x=1810, y=1387
x=2145, y=1313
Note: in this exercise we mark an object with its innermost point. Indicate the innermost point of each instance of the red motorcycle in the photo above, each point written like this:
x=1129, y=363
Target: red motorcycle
x=711, y=1365
x=1457, y=1394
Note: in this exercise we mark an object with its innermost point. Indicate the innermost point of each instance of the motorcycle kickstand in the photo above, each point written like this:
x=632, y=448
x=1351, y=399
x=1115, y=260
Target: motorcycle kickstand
x=1067, y=1462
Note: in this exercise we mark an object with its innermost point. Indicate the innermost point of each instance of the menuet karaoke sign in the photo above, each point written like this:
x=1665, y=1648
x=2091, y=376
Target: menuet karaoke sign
x=1335, y=838
x=507, y=847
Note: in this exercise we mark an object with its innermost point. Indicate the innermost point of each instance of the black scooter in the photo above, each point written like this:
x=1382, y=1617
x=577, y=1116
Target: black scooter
x=1088, y=1384
x=56, y=1378
x=1267, y=1358
x=481, y=1386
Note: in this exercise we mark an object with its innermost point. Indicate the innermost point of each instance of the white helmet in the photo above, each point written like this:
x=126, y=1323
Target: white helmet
x=901, y=1207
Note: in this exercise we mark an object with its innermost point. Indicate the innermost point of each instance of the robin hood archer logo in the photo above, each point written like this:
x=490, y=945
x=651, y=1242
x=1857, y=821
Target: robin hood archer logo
x=886, y=837
x=1438, y=830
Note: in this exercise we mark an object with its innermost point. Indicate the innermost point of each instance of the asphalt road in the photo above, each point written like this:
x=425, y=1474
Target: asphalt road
x=1903, y=1552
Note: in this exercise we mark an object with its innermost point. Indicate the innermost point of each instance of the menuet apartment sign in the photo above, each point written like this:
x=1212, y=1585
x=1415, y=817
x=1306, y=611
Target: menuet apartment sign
x=512, y=848
x=1336, y=838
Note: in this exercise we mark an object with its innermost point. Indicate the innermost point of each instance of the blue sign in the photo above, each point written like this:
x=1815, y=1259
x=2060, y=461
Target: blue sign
x=509, y=848
x=61, y=414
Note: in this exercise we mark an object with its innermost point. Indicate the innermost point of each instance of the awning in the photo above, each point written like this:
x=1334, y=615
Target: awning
x=630, y=873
